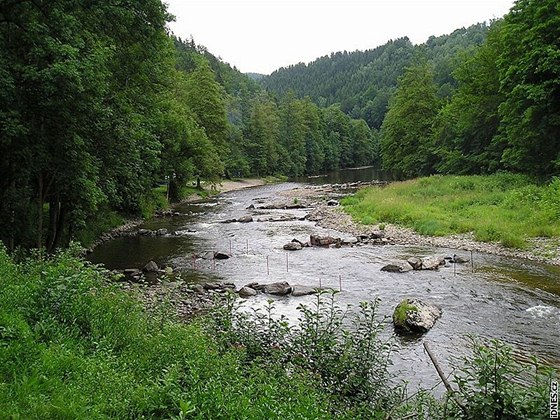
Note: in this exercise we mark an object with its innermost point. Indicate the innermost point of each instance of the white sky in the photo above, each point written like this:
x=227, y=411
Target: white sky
x=262, y=36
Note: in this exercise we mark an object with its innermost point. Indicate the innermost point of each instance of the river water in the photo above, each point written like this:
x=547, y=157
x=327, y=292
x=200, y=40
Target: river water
x=517, y=301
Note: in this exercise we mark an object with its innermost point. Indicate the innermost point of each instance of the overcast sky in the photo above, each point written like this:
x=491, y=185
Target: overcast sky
x=262, y=36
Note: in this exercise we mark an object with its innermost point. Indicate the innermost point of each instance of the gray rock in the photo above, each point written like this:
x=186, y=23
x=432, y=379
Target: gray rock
x=151, y=267
x=245, y=219
x=414, y=315
x=132, y=272
x=280, y=288
x=293, y=246
x=377, y=234
x=350, y=241
x=397, y=267
x=299, y=290
x=415, y=262
x=432, y=263
x=316, y=240
x=246, y=292
x=161, y=232
x=144, y=232
x=332, y=203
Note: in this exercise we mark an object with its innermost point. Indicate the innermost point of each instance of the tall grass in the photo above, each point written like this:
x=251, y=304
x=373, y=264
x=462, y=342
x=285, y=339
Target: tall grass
x=505, y=208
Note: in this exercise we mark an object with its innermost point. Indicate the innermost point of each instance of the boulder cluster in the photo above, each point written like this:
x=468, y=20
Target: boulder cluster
x=426, y=263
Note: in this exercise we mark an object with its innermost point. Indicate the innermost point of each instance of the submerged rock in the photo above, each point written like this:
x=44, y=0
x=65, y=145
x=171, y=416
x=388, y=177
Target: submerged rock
x=414, y=315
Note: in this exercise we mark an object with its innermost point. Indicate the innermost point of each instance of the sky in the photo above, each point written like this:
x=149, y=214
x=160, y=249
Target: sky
x=262, y=36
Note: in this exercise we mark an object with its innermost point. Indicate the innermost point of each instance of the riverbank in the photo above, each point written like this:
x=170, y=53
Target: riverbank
x=460, y=210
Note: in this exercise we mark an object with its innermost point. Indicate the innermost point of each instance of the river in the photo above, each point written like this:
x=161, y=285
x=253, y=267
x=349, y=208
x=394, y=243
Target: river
x=515, y=300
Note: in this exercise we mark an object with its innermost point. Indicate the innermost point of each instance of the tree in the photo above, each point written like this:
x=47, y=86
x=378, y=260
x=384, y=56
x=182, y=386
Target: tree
x=406, y=133
x=467, y=125
x=529, y=69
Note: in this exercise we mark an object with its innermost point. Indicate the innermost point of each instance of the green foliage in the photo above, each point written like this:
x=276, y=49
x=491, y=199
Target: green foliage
x=494, y=383
x=505, y=208
x=349, y=362
x=73, y=345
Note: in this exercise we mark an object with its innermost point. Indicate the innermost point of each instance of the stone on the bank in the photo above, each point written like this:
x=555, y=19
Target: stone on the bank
x=350, y=241
x=161, y=232
x=397, y=267
x=415, y=316
x=280, y=288
x=151, y=267
x=220, y=255
x=198, y=288
x=377, y=234
x=415, y=262
x=432, y=263
x=246, y=292
x=332, y=203
x=299, y=290
x=293, y=246
x=212, y=286
x=245, y=219
x=131, y=272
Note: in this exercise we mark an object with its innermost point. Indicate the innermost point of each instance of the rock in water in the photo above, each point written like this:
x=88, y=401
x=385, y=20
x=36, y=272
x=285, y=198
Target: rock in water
x=298, y=290
x=151, y=267
x=432, y=263
x=415, y=316
x=220, y=255
x=292, y=246
x=415, y=262
x=397, y=267
x=246, y=292
x=280, y=288
x=245, y=219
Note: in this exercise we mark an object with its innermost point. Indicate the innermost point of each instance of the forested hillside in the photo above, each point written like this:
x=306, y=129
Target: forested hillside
x=363, y=81
x=94, y=116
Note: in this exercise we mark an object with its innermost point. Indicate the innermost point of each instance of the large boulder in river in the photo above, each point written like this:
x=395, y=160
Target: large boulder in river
x=245, y=219
x=415, y=316
x=397, y=267
x=280, y=288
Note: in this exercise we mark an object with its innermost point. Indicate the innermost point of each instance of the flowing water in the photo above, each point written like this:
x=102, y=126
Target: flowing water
x=511, y=299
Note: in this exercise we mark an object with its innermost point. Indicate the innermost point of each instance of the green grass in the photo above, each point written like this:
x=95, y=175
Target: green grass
x=504, y=208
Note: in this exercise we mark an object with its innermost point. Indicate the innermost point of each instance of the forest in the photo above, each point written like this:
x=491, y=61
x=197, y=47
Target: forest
x=94, y=117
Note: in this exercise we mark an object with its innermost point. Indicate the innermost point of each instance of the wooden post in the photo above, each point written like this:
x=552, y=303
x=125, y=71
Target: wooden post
x=267, y=266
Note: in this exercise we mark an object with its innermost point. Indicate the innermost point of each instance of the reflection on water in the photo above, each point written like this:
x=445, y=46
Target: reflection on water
x=514, y=300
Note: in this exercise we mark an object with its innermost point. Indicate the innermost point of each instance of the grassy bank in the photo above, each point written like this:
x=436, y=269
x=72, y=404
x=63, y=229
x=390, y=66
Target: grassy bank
x=503, y=208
